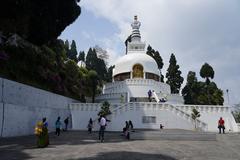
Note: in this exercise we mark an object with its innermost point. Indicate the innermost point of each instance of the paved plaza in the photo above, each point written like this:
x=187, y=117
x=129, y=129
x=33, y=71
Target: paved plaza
x=144, y=145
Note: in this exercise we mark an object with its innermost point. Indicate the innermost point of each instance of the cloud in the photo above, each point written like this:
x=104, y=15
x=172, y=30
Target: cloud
x=196, y=31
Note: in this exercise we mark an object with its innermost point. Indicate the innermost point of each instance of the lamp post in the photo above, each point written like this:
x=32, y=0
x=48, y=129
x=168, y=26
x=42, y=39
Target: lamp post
x=227, y=95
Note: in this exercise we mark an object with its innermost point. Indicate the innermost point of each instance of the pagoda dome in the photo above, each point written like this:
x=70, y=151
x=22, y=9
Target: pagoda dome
x=126, y=64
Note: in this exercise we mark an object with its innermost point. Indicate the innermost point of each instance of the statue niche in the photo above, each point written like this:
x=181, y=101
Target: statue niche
x=137, y=71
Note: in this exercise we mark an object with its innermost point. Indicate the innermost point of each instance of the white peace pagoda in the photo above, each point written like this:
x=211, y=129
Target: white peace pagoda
x=133, y=76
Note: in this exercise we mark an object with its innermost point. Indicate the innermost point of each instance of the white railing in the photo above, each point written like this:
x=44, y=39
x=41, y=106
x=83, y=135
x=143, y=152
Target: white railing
x=113, y=84
x=85, y=106
x=113, y=96
x=163, y=86
x=118, y=86
x=204, y=108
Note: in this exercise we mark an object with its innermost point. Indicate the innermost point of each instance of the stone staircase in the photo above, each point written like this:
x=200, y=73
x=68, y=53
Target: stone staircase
x=127, y=107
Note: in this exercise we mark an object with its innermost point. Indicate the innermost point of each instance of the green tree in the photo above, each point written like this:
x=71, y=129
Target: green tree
x=101, y=69
x=156, y=56
x=129, y=39
x=97, y=64
x=66, y=44
x=72, y=54
x=191, y=90
x=195, y=114
x=105, y=109
x=150, y=51
x=173, y=75
x=207, y=72
x=158, y=59
x=215, y=95
x=91, y=59
x=81, y=56
x=109, y=74
x=93, y=83
x=37, y=21
x=72, y=79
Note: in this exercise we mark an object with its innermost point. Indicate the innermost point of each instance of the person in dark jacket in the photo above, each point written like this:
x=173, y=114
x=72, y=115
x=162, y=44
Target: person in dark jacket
x=66, y=123
x=58, y=125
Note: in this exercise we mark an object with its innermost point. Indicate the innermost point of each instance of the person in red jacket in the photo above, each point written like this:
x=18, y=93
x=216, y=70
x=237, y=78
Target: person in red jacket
x=221, y=125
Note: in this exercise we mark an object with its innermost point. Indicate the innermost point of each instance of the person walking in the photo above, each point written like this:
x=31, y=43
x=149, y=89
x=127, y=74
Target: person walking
x=58, y=125
x=90, y=125
x=66, y=123
x=221, y=125
x=102, y=124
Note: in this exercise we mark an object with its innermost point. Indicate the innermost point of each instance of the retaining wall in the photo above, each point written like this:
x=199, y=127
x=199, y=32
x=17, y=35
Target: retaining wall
x=22, y=106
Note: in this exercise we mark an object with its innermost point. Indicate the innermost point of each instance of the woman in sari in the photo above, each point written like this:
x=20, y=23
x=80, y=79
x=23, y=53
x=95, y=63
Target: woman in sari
x=41, y=132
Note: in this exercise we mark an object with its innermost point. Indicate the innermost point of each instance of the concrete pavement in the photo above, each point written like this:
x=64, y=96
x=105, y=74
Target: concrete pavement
x=144, y=145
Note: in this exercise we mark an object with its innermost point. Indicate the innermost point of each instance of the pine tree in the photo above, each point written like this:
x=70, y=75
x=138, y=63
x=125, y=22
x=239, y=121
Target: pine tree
x=72, y=54
x=156, y=56
x=81, y=56
x=109, y=74
x=173, y=75
x=91, y=59
x=93, y=82
x=150, y=51
x=96, y=64
x=158, y=59
x=129, y=39
x=66, y=43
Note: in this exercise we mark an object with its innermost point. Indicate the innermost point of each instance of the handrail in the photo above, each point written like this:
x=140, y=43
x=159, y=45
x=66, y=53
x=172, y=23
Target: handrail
x=204, y=108
x=196, y=120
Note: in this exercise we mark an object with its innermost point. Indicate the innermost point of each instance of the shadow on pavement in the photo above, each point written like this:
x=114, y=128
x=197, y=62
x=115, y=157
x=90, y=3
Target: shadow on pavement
x=13, y=147
x=127, y=156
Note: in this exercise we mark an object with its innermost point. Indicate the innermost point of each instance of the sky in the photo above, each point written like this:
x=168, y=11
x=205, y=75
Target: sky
x=196, y=31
